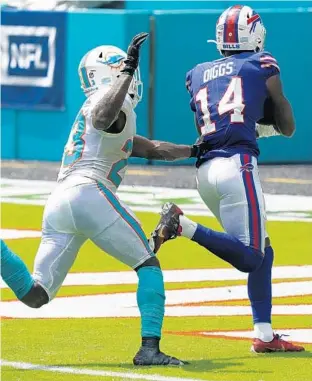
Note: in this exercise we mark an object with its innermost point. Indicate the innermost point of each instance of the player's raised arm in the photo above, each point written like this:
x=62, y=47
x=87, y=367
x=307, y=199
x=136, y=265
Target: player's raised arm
x=107, y=110
x=157, y=150
x=283, y=114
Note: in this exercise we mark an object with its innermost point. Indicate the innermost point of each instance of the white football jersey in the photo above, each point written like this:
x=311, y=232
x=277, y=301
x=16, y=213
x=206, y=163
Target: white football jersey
x=97, y=154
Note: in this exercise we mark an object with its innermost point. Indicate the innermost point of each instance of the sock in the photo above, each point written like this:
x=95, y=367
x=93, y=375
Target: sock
x=229, y=248
x=14, y=272
x=263, y=331
x=151, y=342
x=188, y=227
x=260, y=295
x=151, y=301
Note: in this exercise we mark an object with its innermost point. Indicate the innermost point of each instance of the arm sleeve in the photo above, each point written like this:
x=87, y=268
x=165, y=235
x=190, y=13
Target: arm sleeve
x=91, y=102
x=127, y=106
x=188, y=85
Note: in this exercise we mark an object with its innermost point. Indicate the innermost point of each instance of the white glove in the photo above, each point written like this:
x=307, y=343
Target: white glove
x=265, y=131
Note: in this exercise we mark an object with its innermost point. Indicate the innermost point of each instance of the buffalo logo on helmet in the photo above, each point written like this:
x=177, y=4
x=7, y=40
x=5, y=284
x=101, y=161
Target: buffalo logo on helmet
x=253, y=22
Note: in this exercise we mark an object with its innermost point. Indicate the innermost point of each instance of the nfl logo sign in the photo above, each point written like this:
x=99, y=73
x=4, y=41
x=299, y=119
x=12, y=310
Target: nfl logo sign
x=32, y=59
x=28, y=55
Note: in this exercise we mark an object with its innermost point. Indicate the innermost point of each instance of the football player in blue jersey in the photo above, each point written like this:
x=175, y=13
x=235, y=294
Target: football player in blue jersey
x=229, y=96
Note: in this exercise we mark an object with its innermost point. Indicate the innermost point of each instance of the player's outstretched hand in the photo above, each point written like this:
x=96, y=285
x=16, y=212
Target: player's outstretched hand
x=136, y=43
x=132, y=61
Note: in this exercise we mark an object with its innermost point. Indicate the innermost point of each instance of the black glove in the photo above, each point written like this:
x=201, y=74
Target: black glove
x=199, y=148
x=195, y=150
x=132, y=61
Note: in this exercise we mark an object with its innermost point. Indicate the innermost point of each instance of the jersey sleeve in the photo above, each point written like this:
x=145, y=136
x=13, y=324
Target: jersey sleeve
x=127, y=106
x=267, y=64
x=188, y=85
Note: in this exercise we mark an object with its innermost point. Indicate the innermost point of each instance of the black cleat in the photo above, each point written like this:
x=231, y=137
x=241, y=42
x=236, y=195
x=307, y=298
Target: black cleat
x=168, y=226
x=152, y=356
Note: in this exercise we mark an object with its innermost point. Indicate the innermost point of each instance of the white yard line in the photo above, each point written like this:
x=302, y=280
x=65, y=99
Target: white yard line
x=179, y=303
x=150, y=199
x=178, y=276
x=93, y=372
x=301, y=335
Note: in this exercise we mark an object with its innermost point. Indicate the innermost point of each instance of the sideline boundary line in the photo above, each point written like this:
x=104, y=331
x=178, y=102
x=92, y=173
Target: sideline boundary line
x=93, y=372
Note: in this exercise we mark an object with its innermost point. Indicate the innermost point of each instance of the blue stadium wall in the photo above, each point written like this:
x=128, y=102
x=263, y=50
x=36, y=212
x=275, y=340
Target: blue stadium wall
x=180, y=44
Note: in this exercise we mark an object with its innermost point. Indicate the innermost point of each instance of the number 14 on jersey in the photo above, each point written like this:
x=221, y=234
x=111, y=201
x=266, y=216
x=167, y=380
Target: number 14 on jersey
x=232, y=101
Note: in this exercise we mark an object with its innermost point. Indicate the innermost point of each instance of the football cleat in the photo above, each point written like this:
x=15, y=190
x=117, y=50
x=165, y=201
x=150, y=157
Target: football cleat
x=276, y=345
x=152, y=356
x=168, y=226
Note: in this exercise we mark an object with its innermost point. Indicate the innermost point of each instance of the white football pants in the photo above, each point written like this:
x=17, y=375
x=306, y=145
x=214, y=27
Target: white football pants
x=78, y=209
x=231, y=189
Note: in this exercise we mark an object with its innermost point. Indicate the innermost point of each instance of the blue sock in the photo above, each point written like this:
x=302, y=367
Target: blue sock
x=229, y=248
x=14, y=272
x=151, y=300
x=260, y=289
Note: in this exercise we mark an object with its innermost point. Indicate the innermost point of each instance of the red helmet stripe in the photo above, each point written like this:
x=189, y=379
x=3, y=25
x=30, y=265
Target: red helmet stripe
x=231, y=25
x=252, y=19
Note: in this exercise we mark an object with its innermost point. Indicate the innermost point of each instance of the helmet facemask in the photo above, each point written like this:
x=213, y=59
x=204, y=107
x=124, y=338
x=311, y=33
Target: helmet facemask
x=136, y=88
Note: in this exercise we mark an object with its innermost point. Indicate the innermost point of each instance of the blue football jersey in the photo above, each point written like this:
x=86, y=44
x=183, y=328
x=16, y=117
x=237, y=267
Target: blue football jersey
x=227, y=96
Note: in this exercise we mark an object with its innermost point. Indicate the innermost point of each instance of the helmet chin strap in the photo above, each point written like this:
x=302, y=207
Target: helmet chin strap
x=215, y=42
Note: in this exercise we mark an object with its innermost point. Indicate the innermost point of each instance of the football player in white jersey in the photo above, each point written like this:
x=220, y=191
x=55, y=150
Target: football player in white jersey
x=84, y=204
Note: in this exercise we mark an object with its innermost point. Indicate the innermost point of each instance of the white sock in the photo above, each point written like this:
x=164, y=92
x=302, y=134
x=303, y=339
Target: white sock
x=188, y=227
x=263, y=331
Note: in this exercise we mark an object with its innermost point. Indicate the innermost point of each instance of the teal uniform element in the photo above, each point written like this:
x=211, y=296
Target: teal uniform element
x=151, y=300
x=114, y=176
x=83, y=71
x=113, y=200
x=74, y=152
x=85, y=77
x=15, y=273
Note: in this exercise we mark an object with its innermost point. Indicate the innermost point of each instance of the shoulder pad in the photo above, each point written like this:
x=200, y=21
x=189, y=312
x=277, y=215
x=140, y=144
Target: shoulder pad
x=267, y=60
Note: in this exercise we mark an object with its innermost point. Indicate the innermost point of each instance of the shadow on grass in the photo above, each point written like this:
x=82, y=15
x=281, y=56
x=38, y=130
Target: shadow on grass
x=204, y=365
x=194, y=366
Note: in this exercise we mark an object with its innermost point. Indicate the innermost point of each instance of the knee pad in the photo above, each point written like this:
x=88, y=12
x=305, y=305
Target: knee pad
x=35, y=303
x=36, y=297
x=150, y=262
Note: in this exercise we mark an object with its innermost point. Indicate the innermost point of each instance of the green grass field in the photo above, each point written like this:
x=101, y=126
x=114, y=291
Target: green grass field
x=107, y=344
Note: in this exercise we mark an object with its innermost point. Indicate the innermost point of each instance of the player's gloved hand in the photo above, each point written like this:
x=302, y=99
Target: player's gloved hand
x=195, y=150
x=132, y=61
x=199, y=148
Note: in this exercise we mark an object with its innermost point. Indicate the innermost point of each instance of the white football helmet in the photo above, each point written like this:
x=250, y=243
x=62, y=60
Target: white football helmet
x=239, y=28
x=101, y=66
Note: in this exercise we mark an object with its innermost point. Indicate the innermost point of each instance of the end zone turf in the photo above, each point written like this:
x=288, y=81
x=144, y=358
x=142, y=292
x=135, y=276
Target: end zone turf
x=216, y=346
